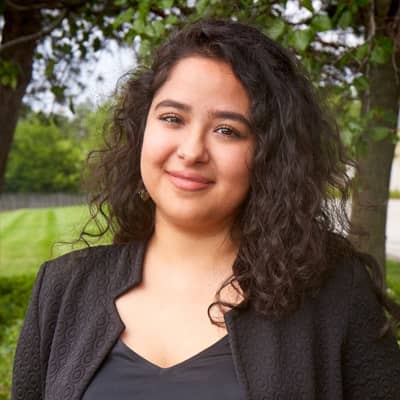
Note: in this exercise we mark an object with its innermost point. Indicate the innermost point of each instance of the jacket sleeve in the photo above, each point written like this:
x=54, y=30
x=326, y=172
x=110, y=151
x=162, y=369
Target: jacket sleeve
x=27, y=382
x=371, y=363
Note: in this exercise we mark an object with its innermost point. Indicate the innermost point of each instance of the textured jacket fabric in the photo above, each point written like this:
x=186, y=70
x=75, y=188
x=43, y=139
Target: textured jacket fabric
x=327, y=350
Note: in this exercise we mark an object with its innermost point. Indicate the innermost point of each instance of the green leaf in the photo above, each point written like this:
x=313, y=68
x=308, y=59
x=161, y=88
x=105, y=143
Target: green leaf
x=9, y=73
x=389, y=116
x=125, y=16
x=361, y=51
x=139, y=26
x=275, y=29
x=307, y=4
x=395, y=139
x=130, y=35
x=166, y=4
x=201, y=6
x=65, y=48
x=144, y=9
x=382, y=51
x=345, y=19
x=49, y=70
x=321, y=23
x=145, y=48
x=171, y=20
x=158, y=28
x=378, y=55
x=96, y=44
x=338, y=10
x=307, y=63
x=59, y=93
x=361, y=83
x=378, y=133
x=300, y=39
x=149, y=30
x=354, y=126
x=347, y=136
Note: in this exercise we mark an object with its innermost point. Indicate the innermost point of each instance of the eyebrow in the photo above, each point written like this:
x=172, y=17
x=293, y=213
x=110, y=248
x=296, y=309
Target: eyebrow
x=216, y=113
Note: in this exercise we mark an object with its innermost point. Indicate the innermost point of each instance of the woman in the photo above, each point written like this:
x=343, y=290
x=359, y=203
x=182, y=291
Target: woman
x=226, y=278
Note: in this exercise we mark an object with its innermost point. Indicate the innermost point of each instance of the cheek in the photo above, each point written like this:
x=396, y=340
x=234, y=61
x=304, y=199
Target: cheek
x=235, y=167
x=157, y=147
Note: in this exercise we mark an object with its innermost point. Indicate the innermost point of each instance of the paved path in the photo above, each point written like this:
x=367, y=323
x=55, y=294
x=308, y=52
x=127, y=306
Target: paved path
x=393, y=230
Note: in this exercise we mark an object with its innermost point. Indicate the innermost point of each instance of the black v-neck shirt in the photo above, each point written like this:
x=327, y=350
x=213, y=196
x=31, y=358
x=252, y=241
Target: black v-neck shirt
x=126, y=375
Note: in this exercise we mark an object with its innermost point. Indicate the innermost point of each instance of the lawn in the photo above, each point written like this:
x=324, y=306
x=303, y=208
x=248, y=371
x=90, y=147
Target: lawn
x=393, y=278
x=29, y=236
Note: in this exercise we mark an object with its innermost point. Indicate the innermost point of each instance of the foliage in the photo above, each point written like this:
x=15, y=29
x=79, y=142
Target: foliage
x=76, y=32
x=317, y=33
x=14, y=296
x=8, y=74
x=7, y=350
x=43, y=159
x=48, y=152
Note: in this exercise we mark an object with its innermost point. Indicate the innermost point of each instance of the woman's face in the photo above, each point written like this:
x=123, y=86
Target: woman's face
x=198, y=146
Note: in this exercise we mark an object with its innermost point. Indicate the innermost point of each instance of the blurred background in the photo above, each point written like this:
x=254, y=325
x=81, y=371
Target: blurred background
x=59, y=66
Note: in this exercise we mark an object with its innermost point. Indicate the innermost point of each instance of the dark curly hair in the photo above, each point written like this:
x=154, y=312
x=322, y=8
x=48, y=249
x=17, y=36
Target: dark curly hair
x=293, y=222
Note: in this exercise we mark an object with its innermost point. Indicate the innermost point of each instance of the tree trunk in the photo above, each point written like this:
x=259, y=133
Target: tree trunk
x=371, y=191
x=16, y=24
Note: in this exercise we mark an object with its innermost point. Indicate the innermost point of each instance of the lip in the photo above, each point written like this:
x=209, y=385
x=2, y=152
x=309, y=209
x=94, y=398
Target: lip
x=188, y=180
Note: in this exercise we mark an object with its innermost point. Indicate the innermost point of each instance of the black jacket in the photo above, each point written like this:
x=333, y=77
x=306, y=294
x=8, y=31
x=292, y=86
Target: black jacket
x=327, y=350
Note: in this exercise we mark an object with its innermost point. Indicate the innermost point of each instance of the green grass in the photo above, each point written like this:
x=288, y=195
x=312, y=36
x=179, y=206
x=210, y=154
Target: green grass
x=28, y=237
x=394, y=194
x=393, y=278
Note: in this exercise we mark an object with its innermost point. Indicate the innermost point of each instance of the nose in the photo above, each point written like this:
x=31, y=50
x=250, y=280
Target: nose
x=193, y=147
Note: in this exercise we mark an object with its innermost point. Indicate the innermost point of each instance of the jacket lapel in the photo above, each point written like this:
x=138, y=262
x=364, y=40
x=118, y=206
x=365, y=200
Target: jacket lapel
x=273, y=358
x=125, y=270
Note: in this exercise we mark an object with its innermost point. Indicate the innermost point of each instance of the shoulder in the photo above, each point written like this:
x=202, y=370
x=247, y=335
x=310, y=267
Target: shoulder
x=346, y=281
x=90, y=257
x=335, y=291
x=93, y=266
x=348, y=274
x=350, y=294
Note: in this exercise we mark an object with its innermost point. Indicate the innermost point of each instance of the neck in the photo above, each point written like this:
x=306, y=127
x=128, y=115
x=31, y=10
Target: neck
x=192, y=252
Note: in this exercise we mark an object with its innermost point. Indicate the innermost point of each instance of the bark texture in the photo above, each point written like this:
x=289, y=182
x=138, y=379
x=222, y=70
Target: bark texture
x=17, y=24
x=371, y=191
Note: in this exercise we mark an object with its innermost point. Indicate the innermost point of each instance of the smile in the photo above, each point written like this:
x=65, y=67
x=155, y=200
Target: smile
x=189, y=181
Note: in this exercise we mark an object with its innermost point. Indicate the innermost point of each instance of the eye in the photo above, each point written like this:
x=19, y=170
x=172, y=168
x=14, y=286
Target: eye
x=228, y=131
x=170, y=118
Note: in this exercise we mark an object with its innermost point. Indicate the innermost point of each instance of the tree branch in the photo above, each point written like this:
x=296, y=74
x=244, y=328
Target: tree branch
x=34, y=36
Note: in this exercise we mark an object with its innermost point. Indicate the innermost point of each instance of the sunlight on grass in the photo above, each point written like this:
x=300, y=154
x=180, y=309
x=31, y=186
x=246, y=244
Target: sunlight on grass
x=30, y=237
x=393, y=278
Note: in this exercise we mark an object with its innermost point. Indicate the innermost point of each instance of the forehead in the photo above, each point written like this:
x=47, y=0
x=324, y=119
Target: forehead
x=205, y=82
